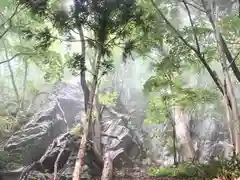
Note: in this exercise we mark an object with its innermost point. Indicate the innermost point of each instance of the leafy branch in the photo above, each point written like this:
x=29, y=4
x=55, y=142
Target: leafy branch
x=195, y=50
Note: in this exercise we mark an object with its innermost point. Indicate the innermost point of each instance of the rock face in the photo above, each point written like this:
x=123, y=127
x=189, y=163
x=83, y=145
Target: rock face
x=57, y=116
x=48, y=123
x=208, y=137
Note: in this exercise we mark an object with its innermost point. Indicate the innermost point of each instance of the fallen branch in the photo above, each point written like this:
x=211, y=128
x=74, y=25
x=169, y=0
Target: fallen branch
x=57, y=160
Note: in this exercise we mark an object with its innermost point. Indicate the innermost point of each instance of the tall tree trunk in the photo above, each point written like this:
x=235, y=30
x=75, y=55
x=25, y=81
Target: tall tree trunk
x=182, y=131
x=235, y=112
x=171, y=119
x=223, y=50
x=97, y=125
x=83, y=68
x=174, y=143
x=230, y=121
x=88, y=122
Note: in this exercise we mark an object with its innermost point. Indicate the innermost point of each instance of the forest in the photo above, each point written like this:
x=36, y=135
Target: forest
x=119, y=90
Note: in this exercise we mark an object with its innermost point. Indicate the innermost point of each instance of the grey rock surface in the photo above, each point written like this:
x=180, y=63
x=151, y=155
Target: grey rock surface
x=50, y=122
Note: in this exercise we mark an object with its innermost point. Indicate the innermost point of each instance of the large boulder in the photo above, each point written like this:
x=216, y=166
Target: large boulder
x=54, y=118
x=63, y=110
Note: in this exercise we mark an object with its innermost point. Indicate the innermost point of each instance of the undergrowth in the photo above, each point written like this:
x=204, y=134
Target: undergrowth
x=9, y=160
x=227, y=168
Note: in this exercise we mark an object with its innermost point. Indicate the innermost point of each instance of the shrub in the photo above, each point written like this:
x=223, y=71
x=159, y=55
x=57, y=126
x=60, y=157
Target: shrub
x=188, y=169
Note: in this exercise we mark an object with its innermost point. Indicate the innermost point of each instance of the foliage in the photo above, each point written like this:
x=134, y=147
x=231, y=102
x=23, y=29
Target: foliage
x=188, y=170
x=110, y=21
x=77, y=131
x=228, y=168
x=10, y=125
x=9, y=160
x=108, y=98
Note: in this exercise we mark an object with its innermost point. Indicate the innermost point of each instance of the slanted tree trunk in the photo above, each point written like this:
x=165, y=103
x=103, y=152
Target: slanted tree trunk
x=224, y=54
x=234, y=111
x=12, y=77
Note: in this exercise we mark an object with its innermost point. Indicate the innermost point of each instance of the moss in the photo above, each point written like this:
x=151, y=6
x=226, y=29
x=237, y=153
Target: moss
x=9, y=160
x=77, y=131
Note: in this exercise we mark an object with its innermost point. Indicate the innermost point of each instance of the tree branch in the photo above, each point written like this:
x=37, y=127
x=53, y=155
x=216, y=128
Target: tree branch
x=235, y=58
x=173, y=28
x=200, y=56
x=192, y=24
x=195, y=6
x=10, y=21
x=223, y=44
x=16, y=55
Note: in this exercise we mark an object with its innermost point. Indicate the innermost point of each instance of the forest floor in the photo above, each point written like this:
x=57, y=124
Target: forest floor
x=139, y=174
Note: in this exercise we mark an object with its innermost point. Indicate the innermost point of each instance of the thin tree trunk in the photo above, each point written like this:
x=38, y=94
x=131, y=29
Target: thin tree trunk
x=24, y=84
x=221, y=42
x=229, y=116
x=12, y=77
x=88, y=123
x=97, y=125
x=83, y=68
x=170, y=118
x=174, y=143
x=235, y=112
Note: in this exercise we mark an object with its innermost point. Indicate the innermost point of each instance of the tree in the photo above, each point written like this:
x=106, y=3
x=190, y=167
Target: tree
x=109, y=23
x=202, y=35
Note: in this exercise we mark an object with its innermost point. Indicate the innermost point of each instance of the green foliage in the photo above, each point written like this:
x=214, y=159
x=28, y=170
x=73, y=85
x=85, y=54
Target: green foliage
x=230, y=168
x=188, y=170
x=9, y=160
x=108, y=98
x=77, y=131
x=227, y=168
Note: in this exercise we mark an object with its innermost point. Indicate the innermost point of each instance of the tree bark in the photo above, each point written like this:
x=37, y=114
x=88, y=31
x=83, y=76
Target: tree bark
x=108, y=167
x=83, y=69
x=12, y=77
x=223, y=50
x=88, y=122
x=24, y=84
x=182, y=131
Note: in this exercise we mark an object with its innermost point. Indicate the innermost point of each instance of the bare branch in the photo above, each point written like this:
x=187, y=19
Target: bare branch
x=10, y=21
x=223, y=44
x=195, y=6
x=192, y=24
x=234, y=59
x=200, y=56
x=57, y=161
x=173, y=28
x=16, y=55
x=11, y=17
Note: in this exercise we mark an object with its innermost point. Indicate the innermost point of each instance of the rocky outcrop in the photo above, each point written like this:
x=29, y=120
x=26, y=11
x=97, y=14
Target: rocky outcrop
x=47, y=134
x=55, y=117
